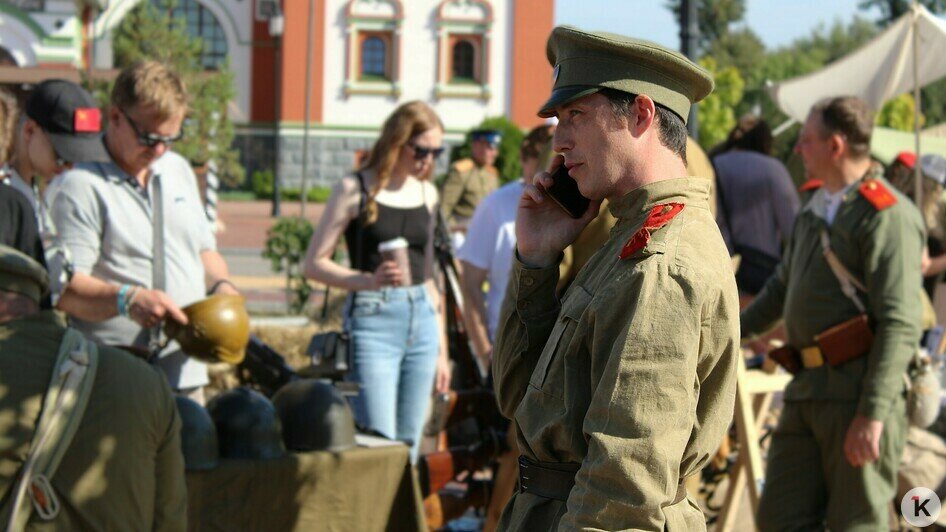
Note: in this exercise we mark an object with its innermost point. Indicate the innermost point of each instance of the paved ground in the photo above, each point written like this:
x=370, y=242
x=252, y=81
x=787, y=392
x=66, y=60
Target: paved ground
x=241, y=242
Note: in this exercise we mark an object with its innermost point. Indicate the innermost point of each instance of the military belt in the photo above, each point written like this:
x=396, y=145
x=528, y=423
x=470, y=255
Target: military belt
x=555, y=480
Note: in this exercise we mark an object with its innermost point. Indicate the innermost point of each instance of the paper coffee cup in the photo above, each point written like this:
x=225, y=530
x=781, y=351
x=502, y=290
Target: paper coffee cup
x=396, y=250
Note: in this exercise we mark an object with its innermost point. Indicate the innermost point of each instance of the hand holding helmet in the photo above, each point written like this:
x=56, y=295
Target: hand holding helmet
x=217, y=329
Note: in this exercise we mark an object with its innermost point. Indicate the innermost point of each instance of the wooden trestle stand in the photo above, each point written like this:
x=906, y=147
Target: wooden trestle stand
x=754, y=389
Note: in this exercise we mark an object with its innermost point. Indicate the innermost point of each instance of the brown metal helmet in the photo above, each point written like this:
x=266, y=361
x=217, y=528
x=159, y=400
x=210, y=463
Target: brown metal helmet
x=218, y=329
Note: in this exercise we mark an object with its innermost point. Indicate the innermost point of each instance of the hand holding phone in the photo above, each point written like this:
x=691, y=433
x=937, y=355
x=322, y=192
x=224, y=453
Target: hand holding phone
x=547, y=224
x=564, y=191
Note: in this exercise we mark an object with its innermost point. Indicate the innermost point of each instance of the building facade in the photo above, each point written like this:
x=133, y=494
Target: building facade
x=359, y=59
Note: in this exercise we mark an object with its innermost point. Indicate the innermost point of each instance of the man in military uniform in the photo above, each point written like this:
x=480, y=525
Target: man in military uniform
x=626, y=387
x=469, y=181
x=854, y=254
x=123, y=467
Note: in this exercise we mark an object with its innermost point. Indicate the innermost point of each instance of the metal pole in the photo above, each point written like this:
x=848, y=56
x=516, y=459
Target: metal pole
x=277, y=187
x=689, y=35
x=917, y=177
x=308, y=105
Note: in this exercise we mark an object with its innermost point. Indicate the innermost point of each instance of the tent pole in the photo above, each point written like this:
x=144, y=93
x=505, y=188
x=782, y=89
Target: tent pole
x=917, y=178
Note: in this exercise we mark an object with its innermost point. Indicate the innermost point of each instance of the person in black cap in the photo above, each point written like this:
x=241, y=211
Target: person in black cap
x=469, y=181
x=61, y=125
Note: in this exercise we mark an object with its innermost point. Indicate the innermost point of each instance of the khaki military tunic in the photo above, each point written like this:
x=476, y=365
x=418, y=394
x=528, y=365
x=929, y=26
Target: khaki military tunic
x=631, y=375
x=808, y=478
x=465, y=187
x=124, y=469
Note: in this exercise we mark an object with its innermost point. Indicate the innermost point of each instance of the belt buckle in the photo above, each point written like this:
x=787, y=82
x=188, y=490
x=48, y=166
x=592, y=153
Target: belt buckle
x=811, y=357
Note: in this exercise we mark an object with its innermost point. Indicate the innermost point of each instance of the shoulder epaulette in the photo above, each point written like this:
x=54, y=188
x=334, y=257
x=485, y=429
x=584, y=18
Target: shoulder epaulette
x=463, y=165
x=877, y=194
x=811, y=184
x=659, y=216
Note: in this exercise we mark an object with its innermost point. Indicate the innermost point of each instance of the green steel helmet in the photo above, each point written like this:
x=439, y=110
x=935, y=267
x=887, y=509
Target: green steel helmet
x=217, y=331
x=315, y=417
x=198, y=436
x=247, y=425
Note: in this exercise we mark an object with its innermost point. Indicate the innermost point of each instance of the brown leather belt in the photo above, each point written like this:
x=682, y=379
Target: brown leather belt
x=555, y=480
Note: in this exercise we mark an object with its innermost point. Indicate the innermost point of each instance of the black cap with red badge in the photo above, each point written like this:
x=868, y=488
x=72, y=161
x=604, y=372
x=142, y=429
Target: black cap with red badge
x=70, y=117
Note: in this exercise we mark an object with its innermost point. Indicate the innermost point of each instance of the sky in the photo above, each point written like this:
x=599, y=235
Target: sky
x=777, y=22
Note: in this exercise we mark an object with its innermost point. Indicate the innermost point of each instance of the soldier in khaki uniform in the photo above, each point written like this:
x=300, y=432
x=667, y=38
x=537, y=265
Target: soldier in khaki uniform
x=469, y=181
x=123, y=469
x=833, y=458
x=625, y=387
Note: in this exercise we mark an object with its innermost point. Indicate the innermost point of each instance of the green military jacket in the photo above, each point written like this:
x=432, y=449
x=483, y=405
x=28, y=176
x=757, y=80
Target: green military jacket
x=465, y=187
x=124, y=469
x=882, y=249
x=632, y=375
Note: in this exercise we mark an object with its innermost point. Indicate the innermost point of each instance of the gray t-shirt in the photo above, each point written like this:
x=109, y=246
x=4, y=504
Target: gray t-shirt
x=104, y=218
x=760, y=199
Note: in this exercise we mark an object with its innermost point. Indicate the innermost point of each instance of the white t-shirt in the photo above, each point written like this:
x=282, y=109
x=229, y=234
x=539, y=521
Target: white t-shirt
x=491, y=242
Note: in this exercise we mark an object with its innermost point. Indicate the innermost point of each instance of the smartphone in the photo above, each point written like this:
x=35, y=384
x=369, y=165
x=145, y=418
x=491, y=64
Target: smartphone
x=564, y=191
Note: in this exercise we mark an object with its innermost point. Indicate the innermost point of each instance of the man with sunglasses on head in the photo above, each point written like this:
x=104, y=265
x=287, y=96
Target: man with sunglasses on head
x=61, y=125
x=469, y=181
x=125, y=218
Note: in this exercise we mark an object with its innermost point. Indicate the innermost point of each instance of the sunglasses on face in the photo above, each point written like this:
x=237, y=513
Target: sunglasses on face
x=421, y=153
x=151, y=140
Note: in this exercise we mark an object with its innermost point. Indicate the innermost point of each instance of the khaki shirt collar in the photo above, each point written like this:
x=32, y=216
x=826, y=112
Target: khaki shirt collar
x=637, y=203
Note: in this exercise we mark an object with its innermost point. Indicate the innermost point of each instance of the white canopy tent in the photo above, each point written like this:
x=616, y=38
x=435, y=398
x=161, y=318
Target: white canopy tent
x=909, y=54
x=878, y=71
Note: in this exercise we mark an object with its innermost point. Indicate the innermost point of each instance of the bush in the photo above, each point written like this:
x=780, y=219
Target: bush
x=508, y=162
x=286, y=243
x=261, y=183
x=314, y=195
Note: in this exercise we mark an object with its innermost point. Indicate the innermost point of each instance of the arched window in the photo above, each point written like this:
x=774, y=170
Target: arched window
x=201, y=24
x=373, y=58
x=463, y=61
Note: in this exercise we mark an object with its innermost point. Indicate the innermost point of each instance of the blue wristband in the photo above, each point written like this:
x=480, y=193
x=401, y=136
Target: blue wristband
x=122, y=304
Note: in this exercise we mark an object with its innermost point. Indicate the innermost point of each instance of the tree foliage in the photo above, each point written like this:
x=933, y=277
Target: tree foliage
x=717, y=113
x=510, y=168
x=898, y=113
x=147, y=33
x=714, y=18
x=891, y=10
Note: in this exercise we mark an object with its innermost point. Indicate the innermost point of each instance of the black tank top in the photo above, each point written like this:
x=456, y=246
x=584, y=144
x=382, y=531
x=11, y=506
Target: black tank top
x=410, y=224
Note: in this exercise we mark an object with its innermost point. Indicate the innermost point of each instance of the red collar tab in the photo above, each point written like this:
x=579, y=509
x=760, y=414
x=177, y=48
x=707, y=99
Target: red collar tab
x=659, y=216
x=811, y=184
x=877, y=194
x=87, y=120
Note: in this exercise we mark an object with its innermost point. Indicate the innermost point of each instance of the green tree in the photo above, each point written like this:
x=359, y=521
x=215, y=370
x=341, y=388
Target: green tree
x=891, y=10
x=508, y=163
x=716, y=113
x=897, y=113
x=147, y=33
x=714, y=18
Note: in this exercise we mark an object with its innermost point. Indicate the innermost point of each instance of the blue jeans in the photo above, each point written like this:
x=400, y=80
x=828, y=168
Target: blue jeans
x=396, y=339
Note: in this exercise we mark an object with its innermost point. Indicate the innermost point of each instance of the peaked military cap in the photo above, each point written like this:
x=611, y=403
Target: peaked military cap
x=586, y=62
x=489, y=135
x=21, y=274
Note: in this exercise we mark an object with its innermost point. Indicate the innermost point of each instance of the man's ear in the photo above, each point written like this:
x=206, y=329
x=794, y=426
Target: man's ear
x=838, y=145
x=113, y=115
x=643, y=116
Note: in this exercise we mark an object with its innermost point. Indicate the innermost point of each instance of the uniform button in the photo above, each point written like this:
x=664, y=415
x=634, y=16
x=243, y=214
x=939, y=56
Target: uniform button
x=528, y=281
x=523, y=304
